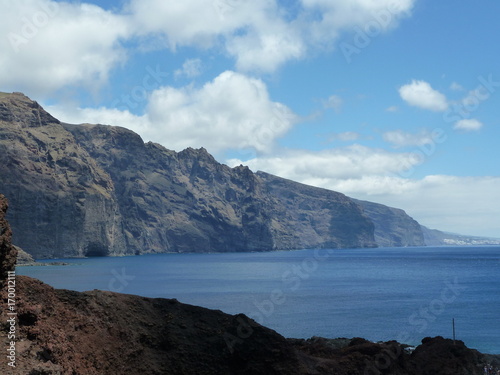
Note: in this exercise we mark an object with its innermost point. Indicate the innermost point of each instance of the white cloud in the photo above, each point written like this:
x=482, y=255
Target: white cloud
x=267, y=47
x=253, y=32
x=231, y=112
x=181, y=23
x=344, y=136
x=190, y=69
x=50, y=45
x=400, y=138
x=456, y=87
x=332, y=17
x=392, y=108
x=259, y=34
x=421, y=94
x=334, y=102
x=333, y=164
x=468, y=125
x=465, y=205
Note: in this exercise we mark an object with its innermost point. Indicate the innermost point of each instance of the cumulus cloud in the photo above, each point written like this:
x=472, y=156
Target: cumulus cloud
x=337, y=16
x=468, y=125
x=465, y=205
x=421, y=94
x=231, y=112
x=254, y=32
x=344, y=136
x=400, y=138
x=334, y=102
x=51, y=45
x=190, y=69
x=259, y=34
x=185, y=23
x=332, y=164
x=456, y=86
x=267, y=47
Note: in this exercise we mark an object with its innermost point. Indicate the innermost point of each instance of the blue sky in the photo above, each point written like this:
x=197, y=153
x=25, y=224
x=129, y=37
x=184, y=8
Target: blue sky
x=393, y=101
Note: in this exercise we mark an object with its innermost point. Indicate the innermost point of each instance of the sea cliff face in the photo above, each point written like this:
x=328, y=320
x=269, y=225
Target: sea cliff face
x=393, y=226
x=62, y=202
x=97, y=190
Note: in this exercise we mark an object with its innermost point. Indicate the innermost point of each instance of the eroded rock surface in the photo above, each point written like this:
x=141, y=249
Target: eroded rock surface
x=96, y=190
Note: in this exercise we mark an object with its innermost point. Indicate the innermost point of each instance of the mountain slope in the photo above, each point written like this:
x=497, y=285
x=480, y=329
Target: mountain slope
x=62, y=201
x=187, y=201
x=393, y=227
x=83, y=190
x=98, y=190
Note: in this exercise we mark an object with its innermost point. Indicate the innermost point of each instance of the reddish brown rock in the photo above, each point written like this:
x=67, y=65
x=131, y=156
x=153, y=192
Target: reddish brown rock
x=8, y=253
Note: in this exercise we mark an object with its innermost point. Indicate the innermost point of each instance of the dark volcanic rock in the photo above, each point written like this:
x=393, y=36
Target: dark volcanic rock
x=338, y=221
x=96, y=190
x=62, y=202
x=94, y=333
x=393, y=227
x=444, y=356
x=187, y=201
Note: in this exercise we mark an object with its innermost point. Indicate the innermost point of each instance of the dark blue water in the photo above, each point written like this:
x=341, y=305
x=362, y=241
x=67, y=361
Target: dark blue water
x=379, y=294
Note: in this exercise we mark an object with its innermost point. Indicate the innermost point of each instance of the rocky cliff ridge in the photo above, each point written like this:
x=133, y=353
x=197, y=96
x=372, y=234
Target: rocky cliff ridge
x=96, y=190
x=393, y=226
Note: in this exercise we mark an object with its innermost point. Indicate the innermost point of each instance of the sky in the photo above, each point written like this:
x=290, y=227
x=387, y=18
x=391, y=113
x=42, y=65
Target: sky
x=392, y=101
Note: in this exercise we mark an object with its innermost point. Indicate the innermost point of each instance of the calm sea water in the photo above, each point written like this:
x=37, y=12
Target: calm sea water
x=379, y=294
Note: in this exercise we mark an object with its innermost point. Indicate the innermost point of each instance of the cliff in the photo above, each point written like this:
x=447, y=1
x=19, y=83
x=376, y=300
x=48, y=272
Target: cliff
x=58, y=193
x=83, y=190
x=393, y=227
x=97, y=190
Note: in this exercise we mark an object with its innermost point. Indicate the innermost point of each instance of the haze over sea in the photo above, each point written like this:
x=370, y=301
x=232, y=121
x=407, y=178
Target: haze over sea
x=404, y=294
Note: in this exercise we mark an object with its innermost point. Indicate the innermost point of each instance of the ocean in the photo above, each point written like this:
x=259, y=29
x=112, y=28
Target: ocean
x=402, y=294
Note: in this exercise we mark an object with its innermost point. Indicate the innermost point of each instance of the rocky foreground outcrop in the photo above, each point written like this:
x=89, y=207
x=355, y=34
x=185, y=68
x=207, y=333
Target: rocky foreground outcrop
x=8, y=253
x=95, y=190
